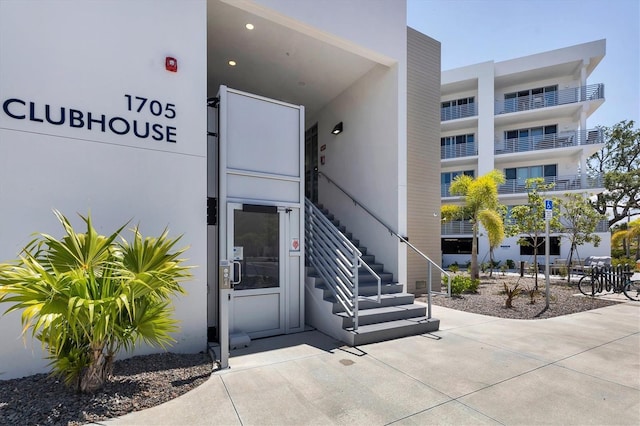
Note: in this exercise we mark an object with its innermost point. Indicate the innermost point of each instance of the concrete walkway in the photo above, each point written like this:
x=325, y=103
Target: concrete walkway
x=574, y=370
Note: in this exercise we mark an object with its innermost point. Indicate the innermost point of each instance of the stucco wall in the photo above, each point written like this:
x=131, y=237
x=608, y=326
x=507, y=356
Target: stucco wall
x=87, y=57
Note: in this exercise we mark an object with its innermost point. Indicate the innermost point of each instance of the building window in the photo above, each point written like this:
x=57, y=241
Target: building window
x=448, y=177
x=456, y=245
x=554, y=247
x=531, y=98
x=457, y=146
x=521, y=174
x=530, y=139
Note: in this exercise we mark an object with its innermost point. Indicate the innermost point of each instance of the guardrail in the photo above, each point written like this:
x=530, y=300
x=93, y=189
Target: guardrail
x=458, y=111
x=335, y=259
x=562, y=183
x=549, y=141
x=456, y=227
x=458, y=150
x=551, y=98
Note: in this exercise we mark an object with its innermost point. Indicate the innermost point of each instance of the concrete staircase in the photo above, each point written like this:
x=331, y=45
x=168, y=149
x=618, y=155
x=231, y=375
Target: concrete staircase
x=395, y=316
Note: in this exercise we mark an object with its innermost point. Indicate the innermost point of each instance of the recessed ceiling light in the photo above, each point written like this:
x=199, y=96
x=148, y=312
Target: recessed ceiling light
x=249, y=26
x=232, y=63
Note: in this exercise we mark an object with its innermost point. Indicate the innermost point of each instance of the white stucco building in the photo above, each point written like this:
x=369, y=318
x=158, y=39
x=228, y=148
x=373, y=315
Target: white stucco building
x=526, y=117
x=215, y=118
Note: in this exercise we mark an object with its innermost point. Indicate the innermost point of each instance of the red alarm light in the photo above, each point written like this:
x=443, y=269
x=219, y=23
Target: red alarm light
x=171, y=64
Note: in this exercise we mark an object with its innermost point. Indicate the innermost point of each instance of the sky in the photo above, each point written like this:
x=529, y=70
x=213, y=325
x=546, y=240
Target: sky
x=474, y=31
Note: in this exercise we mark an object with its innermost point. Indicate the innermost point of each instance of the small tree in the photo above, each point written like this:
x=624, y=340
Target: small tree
x=528, y=219
x=579, y=221
x=480, y=206
x=86, y=296
x=618, y=164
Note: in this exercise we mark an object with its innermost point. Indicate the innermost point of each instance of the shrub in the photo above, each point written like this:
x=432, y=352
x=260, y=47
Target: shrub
x=621, y=261
x=511, y=293
x=462, y=284
x=454, y=267
x=510, y=263
x=563, y=271
x=86, y=296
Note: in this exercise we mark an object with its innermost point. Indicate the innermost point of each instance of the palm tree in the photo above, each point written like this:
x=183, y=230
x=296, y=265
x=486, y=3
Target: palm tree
x=628, y=235
x=481, y=206
x=86, y=296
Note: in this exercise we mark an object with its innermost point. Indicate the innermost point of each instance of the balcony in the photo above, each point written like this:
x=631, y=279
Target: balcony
x=562, y=183
x=603, y=226
x=458, y=111
x=549, y=99
x=549, y=141
x=458, y=150
x=456, y=227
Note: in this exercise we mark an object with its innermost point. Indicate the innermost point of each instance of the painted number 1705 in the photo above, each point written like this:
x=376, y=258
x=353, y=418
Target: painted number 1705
x=157, y=108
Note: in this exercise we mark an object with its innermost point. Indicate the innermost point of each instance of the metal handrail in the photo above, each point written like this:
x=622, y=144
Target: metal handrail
x=402, y=239
x=458, y=150
x=336, y=260
x=458, y=111
x=561, y=183
x=549, y=141
x=551, y=98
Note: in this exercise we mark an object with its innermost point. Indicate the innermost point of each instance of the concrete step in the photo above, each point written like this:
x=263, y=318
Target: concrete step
x=384, y=314
x=366, y=289
x=377, y=267
x=369, y=259
x=369, y=289
x=365, y=277
x=379, y=332
x=370, y=302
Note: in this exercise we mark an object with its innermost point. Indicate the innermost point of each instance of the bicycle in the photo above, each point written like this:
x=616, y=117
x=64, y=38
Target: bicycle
x=598, y=281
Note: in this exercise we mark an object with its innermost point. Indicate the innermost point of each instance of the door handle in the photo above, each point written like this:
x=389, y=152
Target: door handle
x=239, y=265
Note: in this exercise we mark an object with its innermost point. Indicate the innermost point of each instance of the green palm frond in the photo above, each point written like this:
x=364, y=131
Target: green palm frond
x=87, y=293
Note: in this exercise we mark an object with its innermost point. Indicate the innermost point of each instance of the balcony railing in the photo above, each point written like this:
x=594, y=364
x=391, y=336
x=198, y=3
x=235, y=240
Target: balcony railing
x=549, y=141
x=464, y=227
x=456, y=227
x=603, y=226
x=458, y=150
x=562, y=183
x=549, y=99
x=458, y=111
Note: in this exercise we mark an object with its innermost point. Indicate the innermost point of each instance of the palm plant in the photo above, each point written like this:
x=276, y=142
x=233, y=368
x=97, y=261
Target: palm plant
x=86, y=296
x=628, y=235
x=481, y=205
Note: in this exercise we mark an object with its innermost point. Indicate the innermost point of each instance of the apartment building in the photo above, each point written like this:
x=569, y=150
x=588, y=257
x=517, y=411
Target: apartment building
x=527, y=117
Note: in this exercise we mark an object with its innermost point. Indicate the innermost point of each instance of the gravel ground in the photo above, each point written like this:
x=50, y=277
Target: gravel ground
x=490, y=298
x=138, y=383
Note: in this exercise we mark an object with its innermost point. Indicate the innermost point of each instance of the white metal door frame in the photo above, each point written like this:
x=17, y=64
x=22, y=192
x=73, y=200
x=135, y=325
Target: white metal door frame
x=255, y=294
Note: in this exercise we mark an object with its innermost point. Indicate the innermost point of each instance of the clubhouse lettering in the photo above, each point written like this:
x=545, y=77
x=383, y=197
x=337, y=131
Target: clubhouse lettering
x=155, y=129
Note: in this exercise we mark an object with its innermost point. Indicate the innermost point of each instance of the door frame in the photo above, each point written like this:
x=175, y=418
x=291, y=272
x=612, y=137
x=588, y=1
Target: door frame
x=283, y=267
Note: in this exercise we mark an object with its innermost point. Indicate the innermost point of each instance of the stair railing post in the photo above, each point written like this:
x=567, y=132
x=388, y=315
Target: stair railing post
x=429, y=293
x=356, y=265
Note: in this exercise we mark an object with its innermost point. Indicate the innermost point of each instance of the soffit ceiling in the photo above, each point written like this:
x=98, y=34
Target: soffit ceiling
x=275, y=61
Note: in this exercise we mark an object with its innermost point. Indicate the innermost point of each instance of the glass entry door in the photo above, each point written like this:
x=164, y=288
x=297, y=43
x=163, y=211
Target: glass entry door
x=256, y=246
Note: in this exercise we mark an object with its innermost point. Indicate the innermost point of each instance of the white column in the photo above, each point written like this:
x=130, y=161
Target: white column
x=583, y=124
x=486, y=105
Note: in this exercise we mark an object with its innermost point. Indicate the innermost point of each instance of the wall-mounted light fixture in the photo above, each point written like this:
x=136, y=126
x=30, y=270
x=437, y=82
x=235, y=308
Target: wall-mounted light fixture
x=337, y=129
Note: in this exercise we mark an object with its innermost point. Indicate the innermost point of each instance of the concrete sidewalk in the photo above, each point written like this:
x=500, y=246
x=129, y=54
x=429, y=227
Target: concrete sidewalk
x=577, y=369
